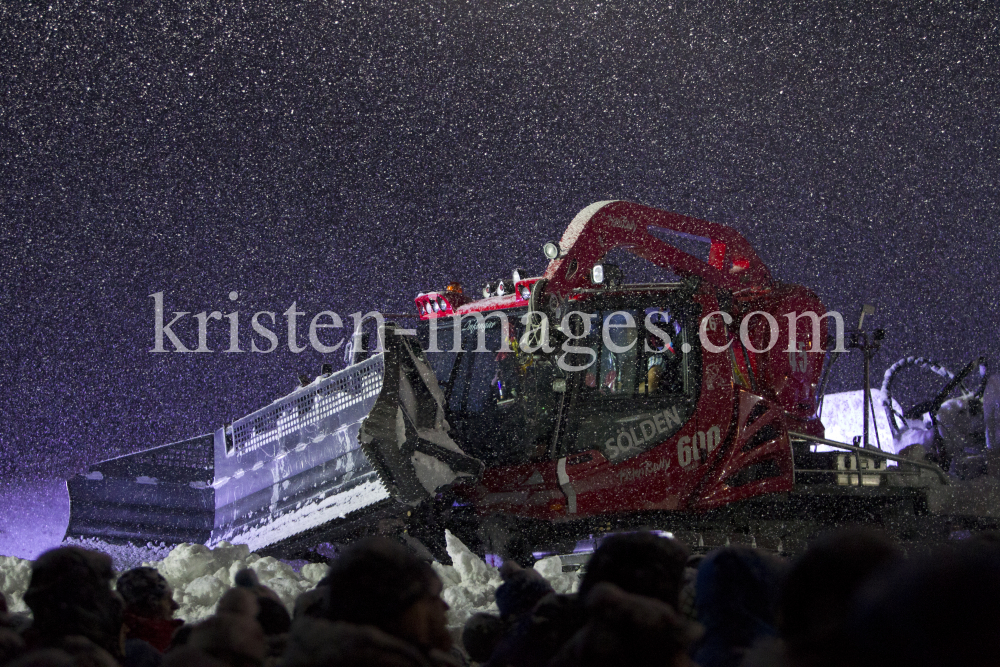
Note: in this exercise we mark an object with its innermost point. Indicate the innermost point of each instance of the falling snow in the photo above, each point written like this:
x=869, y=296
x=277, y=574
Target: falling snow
x=345, y=156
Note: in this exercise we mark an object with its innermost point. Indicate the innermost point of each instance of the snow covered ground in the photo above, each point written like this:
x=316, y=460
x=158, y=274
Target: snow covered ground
x=200, y=576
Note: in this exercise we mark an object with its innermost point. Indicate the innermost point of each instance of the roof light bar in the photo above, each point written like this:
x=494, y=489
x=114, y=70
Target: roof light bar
x=440, y=304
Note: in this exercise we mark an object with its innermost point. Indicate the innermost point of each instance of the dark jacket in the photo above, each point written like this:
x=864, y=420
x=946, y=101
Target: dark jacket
x=539, y=635
x=317, y=642
x=736, y=600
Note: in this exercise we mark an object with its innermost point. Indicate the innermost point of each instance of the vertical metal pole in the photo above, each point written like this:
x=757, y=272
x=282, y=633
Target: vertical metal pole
x=868, y=391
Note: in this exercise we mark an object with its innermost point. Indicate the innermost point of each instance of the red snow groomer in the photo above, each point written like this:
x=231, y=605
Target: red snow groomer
x=596, y=404
x=559, y=408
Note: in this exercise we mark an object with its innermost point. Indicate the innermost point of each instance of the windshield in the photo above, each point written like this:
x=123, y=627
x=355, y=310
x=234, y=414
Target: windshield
x=640, y=352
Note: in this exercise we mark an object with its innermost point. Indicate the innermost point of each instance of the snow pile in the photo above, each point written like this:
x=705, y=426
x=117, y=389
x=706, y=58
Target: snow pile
x=470, y=584
x=562, y=582
x=199, y=577
x=15, y=574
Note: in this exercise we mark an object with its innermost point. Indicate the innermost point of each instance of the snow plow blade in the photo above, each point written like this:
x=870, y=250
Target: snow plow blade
x=163, y=494
x=296, y=465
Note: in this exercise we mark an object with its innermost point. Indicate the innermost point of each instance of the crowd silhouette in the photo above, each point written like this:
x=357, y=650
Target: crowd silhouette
x=853, y=598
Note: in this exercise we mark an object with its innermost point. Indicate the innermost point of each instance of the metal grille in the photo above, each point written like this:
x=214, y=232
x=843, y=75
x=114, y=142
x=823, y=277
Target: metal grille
x=193, y=454
x=340, y=391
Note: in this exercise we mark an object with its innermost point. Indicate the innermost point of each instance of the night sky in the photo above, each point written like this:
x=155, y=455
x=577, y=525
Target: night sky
x=347, y=155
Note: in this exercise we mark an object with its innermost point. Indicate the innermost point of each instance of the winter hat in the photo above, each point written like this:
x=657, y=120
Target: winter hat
x=271, y=614
x=238, y=601
x=273, y=617
x=236, y=640
x=70, y=594
x=521, y=590
x=626, y=629
x=816, y=598
x=143, y=589
x=936, y=609
x=640, y=563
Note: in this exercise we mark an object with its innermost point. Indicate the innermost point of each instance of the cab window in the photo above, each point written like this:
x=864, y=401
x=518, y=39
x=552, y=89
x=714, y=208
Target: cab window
x=639, y=352
x=643, y=382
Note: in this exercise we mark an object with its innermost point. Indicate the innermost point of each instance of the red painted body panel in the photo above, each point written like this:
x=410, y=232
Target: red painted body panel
x=733, y=264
